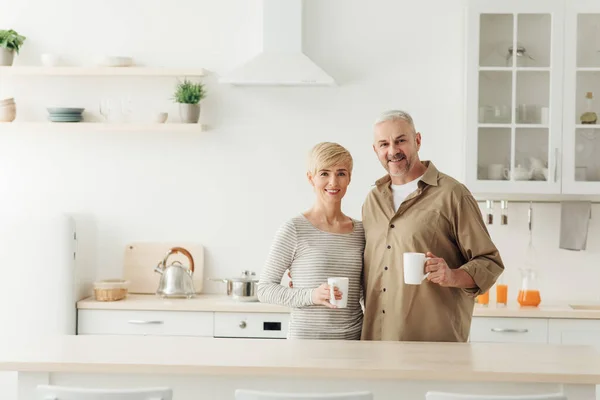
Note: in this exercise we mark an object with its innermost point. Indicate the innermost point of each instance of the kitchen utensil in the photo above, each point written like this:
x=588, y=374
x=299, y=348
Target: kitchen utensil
x=497, y=172
x=64, y=110
x=520, y=173
x=50, y=60
x=342, y=283
x=414, y=268
x=110, y=289
x=503, y=212
x=242, y=288
x=141, y=257
x=529, y=294
x=117, y=61
x=484, y=299
x=176, y=279
x=161, y=117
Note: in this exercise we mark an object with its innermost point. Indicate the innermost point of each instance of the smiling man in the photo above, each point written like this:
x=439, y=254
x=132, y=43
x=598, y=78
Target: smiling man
x=416, y=208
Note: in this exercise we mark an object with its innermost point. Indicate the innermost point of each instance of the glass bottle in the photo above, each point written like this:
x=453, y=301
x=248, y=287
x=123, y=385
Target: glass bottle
x=504, y=212
x=589, y=116
x=489, y=216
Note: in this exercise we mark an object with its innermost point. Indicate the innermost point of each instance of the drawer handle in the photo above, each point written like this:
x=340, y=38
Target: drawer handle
x=243, y=324
x=509, y=330
x=142, y=322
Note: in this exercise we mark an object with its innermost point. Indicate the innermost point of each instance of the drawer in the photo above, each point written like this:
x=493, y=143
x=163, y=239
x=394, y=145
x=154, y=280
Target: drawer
x=130, y=322
x=251, y=325
x=509, y=330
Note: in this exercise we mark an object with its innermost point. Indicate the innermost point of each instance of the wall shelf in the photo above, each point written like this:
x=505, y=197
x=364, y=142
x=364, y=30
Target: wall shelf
x=101, y=71
x=98, y=126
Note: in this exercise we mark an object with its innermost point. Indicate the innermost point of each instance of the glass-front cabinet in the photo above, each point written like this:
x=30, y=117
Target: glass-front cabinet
x=581, y=128
x=515, y=65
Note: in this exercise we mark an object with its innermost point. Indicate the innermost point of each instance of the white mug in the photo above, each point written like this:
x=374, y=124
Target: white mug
x=342, y=285
x=414, y=268
x=497, y=172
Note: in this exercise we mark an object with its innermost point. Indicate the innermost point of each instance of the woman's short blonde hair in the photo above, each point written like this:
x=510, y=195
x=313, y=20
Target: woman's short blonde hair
x=327, y=154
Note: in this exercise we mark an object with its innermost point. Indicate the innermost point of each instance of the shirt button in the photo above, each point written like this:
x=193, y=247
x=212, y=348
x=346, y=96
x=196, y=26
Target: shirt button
x=392, y=226
x=389, y=247
x=385, y=268
x=384, y=289
x=384, y=311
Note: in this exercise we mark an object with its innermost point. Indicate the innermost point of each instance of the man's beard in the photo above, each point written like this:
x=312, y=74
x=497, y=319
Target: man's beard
x=402, y=171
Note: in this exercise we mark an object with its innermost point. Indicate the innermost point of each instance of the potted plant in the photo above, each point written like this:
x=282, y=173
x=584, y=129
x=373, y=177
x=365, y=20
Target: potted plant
x=188, y=94
x=10, y=42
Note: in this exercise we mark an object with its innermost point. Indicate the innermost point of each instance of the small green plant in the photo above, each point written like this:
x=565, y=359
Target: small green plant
x=188, y=92
x=11, y=40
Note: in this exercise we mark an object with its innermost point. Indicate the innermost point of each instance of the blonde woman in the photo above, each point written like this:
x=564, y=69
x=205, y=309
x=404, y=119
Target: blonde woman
x=315, y=245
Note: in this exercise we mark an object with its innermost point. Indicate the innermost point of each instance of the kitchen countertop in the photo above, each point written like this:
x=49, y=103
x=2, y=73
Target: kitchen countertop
x=543, y=311
x=223, y=303
x=469, y=362
x=202, y=302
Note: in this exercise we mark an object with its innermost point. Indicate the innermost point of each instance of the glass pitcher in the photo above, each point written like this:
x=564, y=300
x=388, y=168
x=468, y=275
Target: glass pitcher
x=529, y=293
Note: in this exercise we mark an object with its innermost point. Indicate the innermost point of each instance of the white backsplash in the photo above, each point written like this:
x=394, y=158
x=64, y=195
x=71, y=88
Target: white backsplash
x=564, y=275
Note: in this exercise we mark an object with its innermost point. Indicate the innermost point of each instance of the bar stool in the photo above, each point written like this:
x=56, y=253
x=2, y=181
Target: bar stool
x=242, y=394
x=50, y=392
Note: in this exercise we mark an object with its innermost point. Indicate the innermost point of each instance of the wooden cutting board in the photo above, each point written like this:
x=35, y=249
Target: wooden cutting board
x=142, y=257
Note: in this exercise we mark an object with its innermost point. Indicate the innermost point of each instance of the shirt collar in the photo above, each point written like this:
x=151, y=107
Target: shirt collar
x=430, y=177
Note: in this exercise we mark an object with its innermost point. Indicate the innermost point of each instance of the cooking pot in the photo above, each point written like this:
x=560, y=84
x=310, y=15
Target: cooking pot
x=242, y=288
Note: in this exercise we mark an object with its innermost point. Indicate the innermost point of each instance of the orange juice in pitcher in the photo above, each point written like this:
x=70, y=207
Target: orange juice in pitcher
x=529, y=293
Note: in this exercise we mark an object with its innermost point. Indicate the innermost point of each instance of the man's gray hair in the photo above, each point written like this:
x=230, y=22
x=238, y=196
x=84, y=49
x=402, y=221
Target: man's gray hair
x=393, y=115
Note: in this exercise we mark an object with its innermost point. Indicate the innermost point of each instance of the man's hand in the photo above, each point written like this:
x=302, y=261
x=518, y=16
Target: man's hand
x=443, y=275
x=439, y=271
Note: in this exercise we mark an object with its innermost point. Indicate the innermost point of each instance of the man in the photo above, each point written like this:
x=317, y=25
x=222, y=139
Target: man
x=416, y=208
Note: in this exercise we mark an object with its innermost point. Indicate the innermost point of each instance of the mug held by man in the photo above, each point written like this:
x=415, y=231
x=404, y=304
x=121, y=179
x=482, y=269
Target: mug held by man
x=414, y=268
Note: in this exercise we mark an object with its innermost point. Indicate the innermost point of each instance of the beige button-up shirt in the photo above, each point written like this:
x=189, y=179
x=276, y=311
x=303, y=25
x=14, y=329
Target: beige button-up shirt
x=442, y=217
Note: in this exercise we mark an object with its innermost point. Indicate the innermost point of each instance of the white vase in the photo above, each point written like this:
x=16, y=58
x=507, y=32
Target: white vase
x=7, y=56
x=189, y=113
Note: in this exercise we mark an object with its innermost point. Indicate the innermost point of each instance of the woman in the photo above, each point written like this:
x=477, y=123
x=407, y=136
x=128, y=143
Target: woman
x=318, y=244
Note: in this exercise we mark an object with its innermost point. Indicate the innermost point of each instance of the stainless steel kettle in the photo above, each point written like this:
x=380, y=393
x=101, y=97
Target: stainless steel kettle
x=176, y=280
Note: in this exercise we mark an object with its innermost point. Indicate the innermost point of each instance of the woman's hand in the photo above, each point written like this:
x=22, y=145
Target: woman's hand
x=321, y=295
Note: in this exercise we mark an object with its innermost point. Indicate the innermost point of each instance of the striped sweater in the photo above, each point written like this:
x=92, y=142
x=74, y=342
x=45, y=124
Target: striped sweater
x=312, y=256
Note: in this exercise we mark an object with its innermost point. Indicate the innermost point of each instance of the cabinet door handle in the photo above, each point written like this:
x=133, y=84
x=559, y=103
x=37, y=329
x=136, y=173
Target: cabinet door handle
x=510, y=330
x=243, y=324
x=143, y=322
x=556, y=164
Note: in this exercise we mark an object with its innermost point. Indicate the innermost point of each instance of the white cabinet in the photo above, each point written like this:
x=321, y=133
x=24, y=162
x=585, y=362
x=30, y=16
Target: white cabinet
x=509, y=330
x=132, y=322
x=577, y=332
x=251, y=325
x=529, y=67
x=183, y=323
x=581, y=158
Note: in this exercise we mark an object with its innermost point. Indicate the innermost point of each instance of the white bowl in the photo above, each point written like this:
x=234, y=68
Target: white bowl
x=117, y=61
x=50, y=60
x=161, y=117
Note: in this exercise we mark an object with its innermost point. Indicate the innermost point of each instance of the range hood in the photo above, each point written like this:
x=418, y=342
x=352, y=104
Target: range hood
x=281, y=62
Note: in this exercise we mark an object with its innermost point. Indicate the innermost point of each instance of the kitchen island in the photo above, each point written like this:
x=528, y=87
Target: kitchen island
x=212, y=368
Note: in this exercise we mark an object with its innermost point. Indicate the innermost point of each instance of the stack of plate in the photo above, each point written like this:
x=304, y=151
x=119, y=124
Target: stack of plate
x=62, y=114
x=8, y=110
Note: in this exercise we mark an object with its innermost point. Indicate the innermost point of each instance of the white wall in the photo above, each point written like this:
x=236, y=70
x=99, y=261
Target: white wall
x=232, y=186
